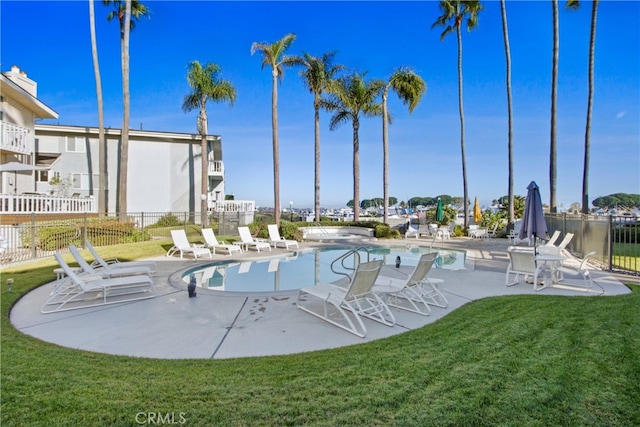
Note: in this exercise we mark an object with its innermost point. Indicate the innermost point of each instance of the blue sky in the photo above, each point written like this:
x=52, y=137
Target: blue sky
x=50, y=41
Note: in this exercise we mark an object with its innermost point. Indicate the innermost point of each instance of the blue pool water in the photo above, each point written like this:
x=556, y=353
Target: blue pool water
x=304, y=268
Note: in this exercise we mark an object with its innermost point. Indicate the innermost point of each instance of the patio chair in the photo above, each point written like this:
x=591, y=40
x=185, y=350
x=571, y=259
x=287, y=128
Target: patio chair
x=181, y=244
x=522, y=263
x=417, y=292
x=493, y=233
x=212, y=243
x=249, y=242
x=556, y=250
x=576, y=271
x=107, y=271
x=351, y=303
x=115, y=262
x=83, y=291
x=275, y=239
x=412, y=232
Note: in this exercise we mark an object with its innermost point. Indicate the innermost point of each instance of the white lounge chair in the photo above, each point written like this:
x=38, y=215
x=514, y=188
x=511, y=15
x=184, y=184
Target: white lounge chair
x=82, y=291
x=181, y=244
x=249, y=242
x=553, y=238
x=115, y=262
x=522, y=263
x=352, y=303
x=417, y=292
x=107, y=271
x=212, y=243
x=556, y=250
x=275, y=239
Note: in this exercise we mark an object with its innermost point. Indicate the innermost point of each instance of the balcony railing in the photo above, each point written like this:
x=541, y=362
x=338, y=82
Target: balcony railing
x=246, y=206
x=15, y=138
x=38, y=203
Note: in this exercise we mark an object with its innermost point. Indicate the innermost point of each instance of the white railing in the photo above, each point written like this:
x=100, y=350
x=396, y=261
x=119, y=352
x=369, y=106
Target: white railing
x=27, y=203
x=216, y=168
x=15, y=138
x=234, y=206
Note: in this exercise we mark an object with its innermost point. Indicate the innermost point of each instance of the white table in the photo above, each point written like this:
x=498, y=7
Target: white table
x=549, y=264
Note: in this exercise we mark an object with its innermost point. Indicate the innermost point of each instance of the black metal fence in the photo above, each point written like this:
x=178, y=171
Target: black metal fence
x=615, y=239
x=35, y=238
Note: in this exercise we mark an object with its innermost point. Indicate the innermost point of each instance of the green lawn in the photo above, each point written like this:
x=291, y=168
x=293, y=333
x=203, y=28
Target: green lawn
x=532, y=360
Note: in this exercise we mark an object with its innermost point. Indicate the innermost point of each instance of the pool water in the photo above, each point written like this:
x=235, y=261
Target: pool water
x=304, y=268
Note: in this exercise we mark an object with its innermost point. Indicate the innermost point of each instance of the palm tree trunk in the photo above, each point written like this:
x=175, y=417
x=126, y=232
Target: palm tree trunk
x=507, y=53
x=124, y=154
x=385, y=156
x=316, y=205
x=587, y=133
x=276, y=155
x=204, y=172
x=554, y=99
x=102, y=166
x=356, y=170
x=465, y=196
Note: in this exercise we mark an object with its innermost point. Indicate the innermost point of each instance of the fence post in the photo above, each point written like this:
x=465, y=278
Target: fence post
x=142, y=224
x=34, y=250
x=84, y=231
x=610, y=243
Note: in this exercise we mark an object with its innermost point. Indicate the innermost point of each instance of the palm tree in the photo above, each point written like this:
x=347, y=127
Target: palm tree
x=124, y=13
x=350, y=98
x=554, y=100
x=102, y=157
x=507, y=54
x=454, y=13
x=273, y=55
x=575, y=4
x=316, y=74
x=206, y=85
x=410, y=87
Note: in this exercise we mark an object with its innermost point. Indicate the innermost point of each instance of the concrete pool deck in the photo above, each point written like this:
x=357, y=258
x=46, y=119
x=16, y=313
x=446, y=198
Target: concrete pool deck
x=215, y=325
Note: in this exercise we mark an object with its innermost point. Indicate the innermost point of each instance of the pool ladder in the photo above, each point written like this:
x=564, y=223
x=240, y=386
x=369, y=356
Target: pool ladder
x=342, y=258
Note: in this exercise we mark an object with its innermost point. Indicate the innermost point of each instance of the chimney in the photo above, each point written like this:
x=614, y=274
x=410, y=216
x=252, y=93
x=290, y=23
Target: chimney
x=20, y=78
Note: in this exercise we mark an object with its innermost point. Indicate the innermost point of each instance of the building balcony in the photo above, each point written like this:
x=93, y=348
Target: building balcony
x=16, y=139
x=244, y=206
x=216, y=168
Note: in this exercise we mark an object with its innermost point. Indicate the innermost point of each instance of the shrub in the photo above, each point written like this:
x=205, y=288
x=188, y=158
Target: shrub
x=382, y=231
x=290, y=230
x=168, y=220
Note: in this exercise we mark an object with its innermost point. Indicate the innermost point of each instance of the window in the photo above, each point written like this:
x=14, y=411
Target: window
x=42, y=176
x=82, y=181
x=75, y=144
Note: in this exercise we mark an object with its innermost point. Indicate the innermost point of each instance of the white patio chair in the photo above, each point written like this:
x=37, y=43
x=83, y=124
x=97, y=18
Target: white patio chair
x=83, y=291
x=275, y=239
x=181, y=244
x=576, y=271
x=212, y=243
x=115, y=262
x=249, y=242
x=522, y=263
x=350, y=303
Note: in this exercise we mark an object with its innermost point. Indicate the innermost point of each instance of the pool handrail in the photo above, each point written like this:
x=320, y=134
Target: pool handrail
x=341, y=258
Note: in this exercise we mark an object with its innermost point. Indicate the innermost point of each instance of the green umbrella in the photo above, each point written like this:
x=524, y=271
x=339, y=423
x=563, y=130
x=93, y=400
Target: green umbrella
x=439, y=211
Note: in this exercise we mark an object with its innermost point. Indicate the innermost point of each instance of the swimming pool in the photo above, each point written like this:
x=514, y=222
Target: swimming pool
x=304, y=268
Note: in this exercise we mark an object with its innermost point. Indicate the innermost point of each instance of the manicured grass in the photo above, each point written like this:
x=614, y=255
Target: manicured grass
x=533, y=360
x=626, y=256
